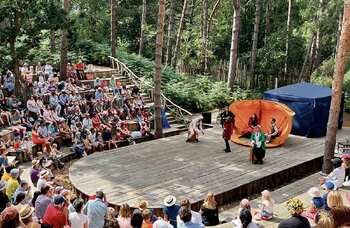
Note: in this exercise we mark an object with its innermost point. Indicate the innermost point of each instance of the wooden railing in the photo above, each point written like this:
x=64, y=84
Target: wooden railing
x=178, y=112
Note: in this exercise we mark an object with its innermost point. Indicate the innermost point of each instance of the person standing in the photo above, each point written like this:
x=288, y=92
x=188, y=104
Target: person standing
x=224, y=115
x=96, y=211
x=228, y=126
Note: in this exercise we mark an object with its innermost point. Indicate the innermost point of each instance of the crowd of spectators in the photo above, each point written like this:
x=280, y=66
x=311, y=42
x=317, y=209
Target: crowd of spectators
x=69, y=112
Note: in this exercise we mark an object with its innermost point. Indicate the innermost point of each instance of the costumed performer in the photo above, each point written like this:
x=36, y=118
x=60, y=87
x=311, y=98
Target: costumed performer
x=195, y=128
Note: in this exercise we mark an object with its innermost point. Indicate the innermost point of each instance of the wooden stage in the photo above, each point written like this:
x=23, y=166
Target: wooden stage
x=155, y=169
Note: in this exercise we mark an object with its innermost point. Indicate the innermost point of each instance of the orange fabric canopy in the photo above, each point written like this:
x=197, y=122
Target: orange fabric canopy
x=265, y=110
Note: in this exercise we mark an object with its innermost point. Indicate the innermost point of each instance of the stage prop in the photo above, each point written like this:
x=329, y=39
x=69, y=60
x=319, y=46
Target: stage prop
x=265, y=110
x=311, y=104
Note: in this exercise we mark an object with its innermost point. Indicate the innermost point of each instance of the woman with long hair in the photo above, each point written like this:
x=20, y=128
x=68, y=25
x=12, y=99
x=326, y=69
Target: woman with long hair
x=210, y=211
x=124, y=216
x=340, y=213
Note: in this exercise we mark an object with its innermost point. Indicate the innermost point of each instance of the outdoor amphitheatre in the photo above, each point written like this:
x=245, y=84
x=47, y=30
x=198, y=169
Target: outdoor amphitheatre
x=178, y=113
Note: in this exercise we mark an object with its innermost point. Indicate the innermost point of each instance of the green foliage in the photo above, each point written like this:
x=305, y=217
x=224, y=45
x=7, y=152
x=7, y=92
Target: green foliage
x=200, y=93
x=324, y=74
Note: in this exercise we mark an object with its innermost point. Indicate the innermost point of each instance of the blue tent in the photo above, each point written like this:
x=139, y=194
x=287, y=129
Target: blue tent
x=311, y=105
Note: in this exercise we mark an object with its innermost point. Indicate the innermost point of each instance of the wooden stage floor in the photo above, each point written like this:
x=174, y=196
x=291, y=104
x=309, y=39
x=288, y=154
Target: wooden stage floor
x=155, y=169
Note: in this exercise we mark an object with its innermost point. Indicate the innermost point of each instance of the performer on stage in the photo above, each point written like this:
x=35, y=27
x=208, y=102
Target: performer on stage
x=228, y=125
x=258, y=140
x=226, y=113
x=195, y=128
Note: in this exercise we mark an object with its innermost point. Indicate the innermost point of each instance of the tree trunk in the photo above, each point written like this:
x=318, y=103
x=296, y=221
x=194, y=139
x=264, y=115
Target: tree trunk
x=143, y=26
x=340, y=21
x=179, y=34
x=337, y=86
x=157, y=75
x=316, y=57
x=267, y=19
x=64, y=46
x=15, y=66
x=255, y=38
x=52, y=40
x=113, y=28
x=289, y=25
x=205, y=35
x=236, y=24
x=170, y=40
x=306, y=60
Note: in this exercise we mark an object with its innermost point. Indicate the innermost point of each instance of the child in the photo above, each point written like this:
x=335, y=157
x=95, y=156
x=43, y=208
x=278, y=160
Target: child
x=317, y=203
x=266, y=207
x=329, y=186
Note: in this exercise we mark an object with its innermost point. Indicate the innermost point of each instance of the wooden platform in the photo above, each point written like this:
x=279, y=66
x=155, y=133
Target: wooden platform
x=155, y=169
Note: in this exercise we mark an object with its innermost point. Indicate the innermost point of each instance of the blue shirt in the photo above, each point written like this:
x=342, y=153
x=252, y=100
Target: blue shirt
x=96, y=212
x=3, y=161
x=191, y=225
x=172, y=213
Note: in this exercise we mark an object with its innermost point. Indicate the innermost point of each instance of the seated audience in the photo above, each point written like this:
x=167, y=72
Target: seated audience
x=266, y=206
x=295, y=208
x=209, y=211
x=340, y=213
x=317, y=203
x=186, y=216
x=245, y=220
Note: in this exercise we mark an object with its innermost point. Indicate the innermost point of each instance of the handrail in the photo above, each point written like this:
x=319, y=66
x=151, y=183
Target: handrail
x=139, y=81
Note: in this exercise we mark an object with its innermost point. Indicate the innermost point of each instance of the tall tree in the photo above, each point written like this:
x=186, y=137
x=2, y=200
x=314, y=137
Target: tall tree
x=205, y=35
x=113, y=28
x=337, y=87
x=20, y=18
x=143, y=26
x=64, y=45
x=171, y=27
x=289, y=27
x=179, y=34
x=236, y=26
x=267, y=19
x=157, y=75
x=255, y=39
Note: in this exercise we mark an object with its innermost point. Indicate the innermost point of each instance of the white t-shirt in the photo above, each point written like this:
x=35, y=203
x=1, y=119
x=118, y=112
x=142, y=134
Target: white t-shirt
x=77, y=220
x=41, y=183
x=337, y=177
x=196, y=218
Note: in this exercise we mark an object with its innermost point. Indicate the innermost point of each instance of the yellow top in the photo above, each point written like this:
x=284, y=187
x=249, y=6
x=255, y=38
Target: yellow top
x=5, y=177
x=12, y=185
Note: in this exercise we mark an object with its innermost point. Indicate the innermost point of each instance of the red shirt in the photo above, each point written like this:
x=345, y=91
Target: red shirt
x=228, y=130
x=55, y=217
x=96, y=122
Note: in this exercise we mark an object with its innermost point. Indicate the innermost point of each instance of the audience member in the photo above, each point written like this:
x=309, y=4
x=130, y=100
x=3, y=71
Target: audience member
x=96, y=211
x=295, y=208
x=210, y=211
x=77, y=219
x=266, y=206
x=186, y=216
x=340, y=213
x=171, y=210
x=124, y=216
x=245, y=220
x=56, y=213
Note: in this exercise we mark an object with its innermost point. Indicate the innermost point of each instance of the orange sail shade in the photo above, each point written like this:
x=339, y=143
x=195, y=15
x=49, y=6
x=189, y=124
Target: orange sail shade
x=265, y=110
